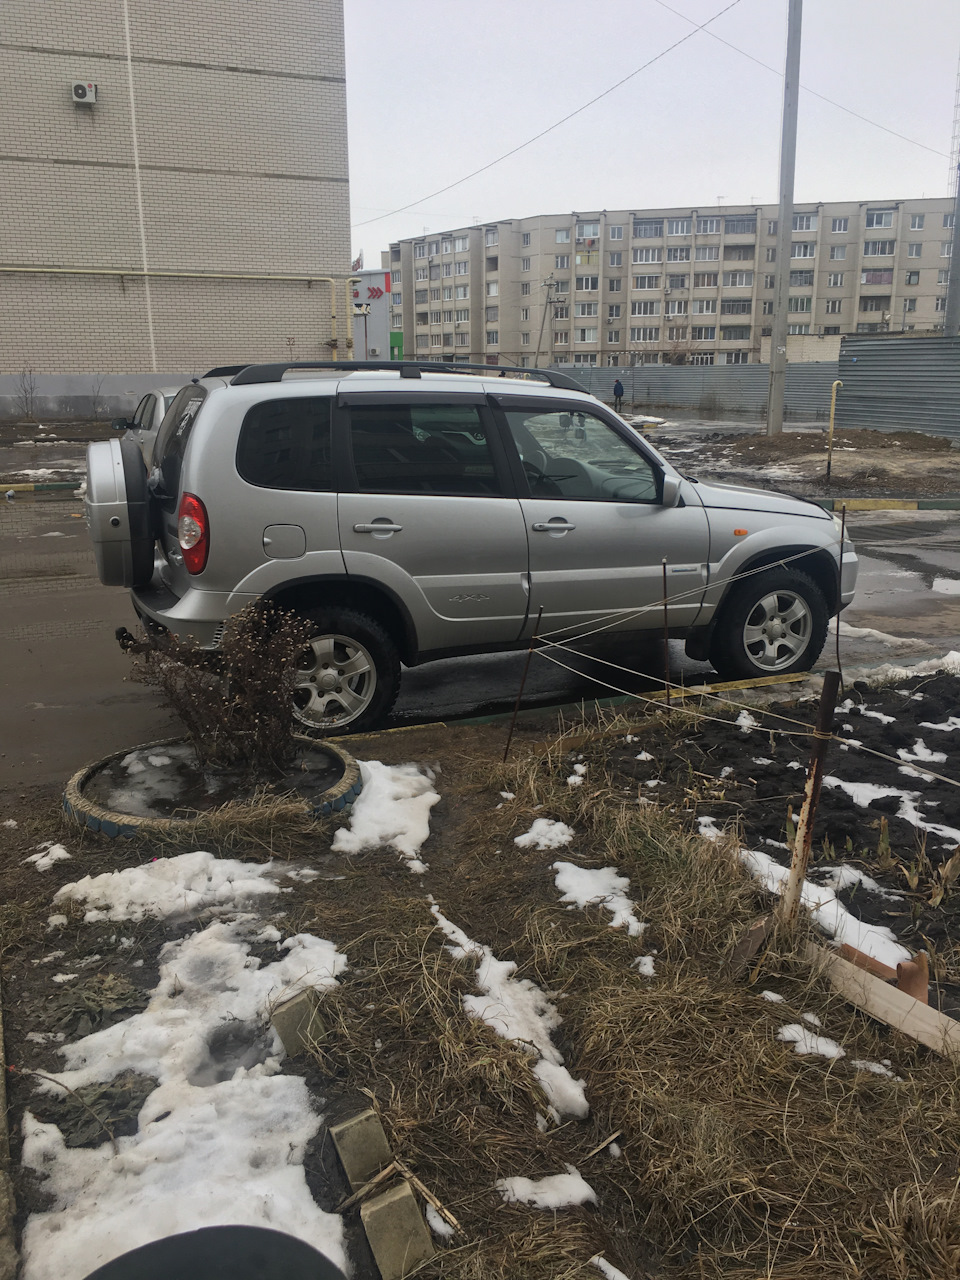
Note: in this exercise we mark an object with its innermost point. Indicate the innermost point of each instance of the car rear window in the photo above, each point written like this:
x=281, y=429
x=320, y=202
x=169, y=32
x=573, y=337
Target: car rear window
x=285, y=444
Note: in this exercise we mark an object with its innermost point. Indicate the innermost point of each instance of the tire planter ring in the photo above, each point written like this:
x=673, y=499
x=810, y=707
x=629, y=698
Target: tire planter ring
x=95, y=817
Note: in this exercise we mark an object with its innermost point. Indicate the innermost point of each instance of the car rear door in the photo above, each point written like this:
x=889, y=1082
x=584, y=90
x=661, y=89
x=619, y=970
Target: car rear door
x=598, y=529
x=429, y=510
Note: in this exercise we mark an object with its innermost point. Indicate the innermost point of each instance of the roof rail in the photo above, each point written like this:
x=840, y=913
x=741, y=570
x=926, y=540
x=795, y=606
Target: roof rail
x=225, y=370
x=255, y=373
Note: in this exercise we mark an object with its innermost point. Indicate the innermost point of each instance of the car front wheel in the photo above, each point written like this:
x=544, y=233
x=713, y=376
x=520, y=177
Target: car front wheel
x=772, y=623
x=348, y=675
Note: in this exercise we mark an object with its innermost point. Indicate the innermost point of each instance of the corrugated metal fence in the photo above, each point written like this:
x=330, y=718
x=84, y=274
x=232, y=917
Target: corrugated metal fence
x=900, y=383
x=713, y=390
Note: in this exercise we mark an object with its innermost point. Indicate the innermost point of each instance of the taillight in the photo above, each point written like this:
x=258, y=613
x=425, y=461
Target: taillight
x=193, y=532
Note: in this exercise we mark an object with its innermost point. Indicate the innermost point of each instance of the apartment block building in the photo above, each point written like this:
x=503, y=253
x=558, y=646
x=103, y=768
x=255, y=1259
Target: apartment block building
x=173, y=183
x=666, y=286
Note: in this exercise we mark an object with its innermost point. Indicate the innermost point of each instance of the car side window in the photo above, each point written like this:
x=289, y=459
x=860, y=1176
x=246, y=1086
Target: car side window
x=173, y=436
x=422, y=449
x=142, y=415
x=286, y=444
x=572, y=454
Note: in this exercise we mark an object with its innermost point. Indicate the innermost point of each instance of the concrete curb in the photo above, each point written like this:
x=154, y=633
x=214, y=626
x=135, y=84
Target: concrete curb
x=39, y=486
x=888, y=504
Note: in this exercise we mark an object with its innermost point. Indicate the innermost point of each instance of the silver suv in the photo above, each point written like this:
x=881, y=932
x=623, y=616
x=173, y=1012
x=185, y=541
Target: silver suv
x=414, y=511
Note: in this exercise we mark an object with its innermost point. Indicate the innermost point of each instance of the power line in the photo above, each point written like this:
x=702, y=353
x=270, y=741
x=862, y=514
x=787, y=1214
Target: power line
x=822, y=96
x=556, y=125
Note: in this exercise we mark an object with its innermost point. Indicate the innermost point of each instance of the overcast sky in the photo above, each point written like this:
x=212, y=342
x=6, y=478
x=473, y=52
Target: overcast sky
x=438, y=88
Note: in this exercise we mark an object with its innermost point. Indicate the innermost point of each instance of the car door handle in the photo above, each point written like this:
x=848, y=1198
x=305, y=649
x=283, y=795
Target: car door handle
x=383, y=527
x=552, y=526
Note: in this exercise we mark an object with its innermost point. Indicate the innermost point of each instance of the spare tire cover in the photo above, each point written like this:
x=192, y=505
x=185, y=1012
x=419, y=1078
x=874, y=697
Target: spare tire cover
x=139, y=512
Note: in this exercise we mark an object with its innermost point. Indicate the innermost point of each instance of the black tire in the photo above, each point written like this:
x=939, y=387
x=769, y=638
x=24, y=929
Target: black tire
x=329, y=697
x=772, y=623
x=140, y=513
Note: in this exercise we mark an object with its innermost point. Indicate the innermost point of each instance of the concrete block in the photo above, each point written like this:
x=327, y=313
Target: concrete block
x=297, y=1021
x=398, y=1236
x=362, y=1147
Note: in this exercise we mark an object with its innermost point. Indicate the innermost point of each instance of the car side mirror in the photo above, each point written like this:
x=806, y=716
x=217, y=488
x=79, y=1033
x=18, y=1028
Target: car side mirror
x=671, y=491
x=120, y=424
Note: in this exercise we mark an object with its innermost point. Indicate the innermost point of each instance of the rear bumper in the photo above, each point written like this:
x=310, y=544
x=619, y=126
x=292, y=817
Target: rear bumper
x=196, y=617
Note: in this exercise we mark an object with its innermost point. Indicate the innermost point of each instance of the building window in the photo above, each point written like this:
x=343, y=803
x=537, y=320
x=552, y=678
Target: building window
x=649, y=333
x=420, y=295
x=879, y=248
x=525, y=240
x=647, y=255
x=878, y=218
x=525, y=289
x=804, y=222
x=587, y=284
x=803, y=249
x=588, y=230
x=738, y=252
x=461, y=340
x=584, y=358
x=704, y=306
x=461, y=244
x=677, y=334
x=615, y=233
x=461, y=268
x=948, y=221
x=940, y=304
x=436, y=339
x=840, y=225
x=835, y=279
x=864, y=327
x=433, y=247
x=880, y=276
x=420, y=273
x=736, y=307
x=396, y=299
x=461, y=291
x=946, y=248
x=705, y=279
x=492, y=315
x=798, y=304
x=434, y=295
x=524, y=264
x=613, y=335
x=561, y=337
x=801, y=279
x=447, y=292
x=838, y=252
x=613, y=311
x=423, y=340
x=562, y=261
x=448, y=268
x=492, y=236
x=830, y=329
x=647, y=228
x=585, y=335
x=702, y=357
x=678, y=226
x=448, y=317
x=395, y=276
x=646, y=282
x=912, y=277
x=735, y=333
x=586, y=308
x=738, y=279
x=741, y=226
x=563, y=235
x=703, y=333
x=434, y=317
x=769, y=282
x=676, y=282
x=914, y=250
x=421, y=317
x=707, y=253
x=879, y=302
x=493, y=338
x=675, y=307
x=943, y=277
x=736, y=357
x=679, y=253
x=448, y=339
x=561, y=312
x=616, y=258
x=708, y=226
x=614, y=284
x=770, y=254
x=645, y=308
x=419, y=250
x=916, y=221
x=766, y=308
x=833, y=306
x=772, y=224
x=493, y=288
x=524, y=313
x=909, y=304
x=493, y=264
x=798, y=328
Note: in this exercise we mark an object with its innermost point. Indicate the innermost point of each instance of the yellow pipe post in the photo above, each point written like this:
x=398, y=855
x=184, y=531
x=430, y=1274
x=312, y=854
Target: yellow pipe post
x=833, y=405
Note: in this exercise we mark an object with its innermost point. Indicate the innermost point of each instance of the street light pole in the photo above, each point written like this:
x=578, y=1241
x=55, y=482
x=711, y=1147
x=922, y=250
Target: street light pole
x=788, y=156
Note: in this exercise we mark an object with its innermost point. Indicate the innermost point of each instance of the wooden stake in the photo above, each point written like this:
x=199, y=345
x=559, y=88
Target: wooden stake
x=790, y=902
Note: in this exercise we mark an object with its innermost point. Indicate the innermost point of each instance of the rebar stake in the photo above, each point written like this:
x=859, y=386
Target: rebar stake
x=523, y=681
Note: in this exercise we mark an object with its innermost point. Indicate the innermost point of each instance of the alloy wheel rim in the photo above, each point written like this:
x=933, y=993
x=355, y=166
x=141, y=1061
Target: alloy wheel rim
x=335, y=681
x=777, y=630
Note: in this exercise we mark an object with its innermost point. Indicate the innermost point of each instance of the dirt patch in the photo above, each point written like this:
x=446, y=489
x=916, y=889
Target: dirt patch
x=900, y=464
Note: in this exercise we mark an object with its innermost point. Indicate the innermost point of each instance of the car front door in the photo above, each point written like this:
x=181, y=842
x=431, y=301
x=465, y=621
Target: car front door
x=429, y=511
x=598, y=529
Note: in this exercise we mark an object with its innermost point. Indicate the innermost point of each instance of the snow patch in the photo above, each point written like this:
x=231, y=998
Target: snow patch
x=393, y=809
x=559, y=1191
x=546, y=833
x=603, y=887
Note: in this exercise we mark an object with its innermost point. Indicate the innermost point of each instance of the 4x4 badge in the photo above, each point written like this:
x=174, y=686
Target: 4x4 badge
x=465, y=596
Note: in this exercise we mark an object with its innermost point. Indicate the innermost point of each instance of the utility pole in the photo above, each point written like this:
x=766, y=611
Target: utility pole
x=788, y=156
x=951, y=321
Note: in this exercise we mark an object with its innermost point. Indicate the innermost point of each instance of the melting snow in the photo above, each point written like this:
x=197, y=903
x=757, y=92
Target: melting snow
x=560, y=1191
x=545, y=833
x=392, y=809
x=806, y=1042
x=603, y=887
x=48, y=855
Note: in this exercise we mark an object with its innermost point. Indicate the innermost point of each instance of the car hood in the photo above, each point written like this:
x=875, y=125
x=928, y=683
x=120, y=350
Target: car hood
x=744, y=498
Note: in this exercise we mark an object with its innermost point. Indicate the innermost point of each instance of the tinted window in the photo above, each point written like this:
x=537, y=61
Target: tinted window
x=422, y=448
x=174, y=434
x=570, y=454
x=285, y=444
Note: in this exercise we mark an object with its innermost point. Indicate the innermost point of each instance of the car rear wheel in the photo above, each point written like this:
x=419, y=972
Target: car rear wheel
x=772, y=623
x=348, y=675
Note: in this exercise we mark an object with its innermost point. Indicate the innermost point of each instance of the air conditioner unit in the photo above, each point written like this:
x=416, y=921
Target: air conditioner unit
x=83, y=91
x=373, y=351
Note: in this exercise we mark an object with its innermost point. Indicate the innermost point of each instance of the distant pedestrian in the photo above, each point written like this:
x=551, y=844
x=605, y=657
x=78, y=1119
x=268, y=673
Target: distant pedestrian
x=617, y=395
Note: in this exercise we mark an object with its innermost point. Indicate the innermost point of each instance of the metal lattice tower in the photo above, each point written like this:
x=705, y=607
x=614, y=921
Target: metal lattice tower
x=955, y=147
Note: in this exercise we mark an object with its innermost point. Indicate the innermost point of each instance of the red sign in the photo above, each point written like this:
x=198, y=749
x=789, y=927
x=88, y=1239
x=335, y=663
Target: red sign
x=374, y=291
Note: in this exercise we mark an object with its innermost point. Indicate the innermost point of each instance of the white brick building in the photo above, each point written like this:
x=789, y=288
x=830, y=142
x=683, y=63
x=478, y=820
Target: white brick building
x=659, y=286
x=216, y=148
